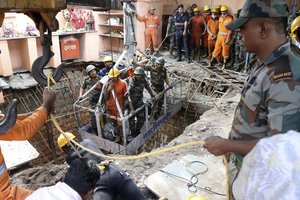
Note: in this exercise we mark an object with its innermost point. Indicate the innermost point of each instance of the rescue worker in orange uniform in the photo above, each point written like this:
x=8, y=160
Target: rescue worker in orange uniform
x=24, y=128
x=198, y=26
x=152, y=23
x=207, y=17
x=119, y=88
x=223, y=40
x=212, y=29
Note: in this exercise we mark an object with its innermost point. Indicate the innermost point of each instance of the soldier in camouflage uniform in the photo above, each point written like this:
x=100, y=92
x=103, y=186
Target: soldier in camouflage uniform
x=158, y=78
x=93, y=95
x=270, y=99
x=137, y=84
x=171, y=29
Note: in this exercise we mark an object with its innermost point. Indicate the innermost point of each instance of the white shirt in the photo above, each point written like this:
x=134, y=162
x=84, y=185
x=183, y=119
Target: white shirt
x=60, y=191
x=271, y=170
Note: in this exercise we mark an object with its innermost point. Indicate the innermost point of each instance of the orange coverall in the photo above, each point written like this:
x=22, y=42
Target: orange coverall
x=120, y=89
x=223, y=34
x=25, y=128
x=213, y=27
x=152, y=22
x=207, y=17
x=198, y=26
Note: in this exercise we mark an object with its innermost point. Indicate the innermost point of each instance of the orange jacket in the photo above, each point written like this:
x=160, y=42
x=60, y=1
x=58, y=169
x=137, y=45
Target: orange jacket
x=120, y=89
x=198, y=25
x=222, y=25
x=213, y=27
x=25, y=128
x=151, y=21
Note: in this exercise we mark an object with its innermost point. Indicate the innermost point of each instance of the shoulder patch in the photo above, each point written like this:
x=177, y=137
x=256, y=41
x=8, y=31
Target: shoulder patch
x=282, y=68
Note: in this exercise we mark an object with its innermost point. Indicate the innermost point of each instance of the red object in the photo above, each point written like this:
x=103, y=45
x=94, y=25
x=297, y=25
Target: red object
x=69, y=48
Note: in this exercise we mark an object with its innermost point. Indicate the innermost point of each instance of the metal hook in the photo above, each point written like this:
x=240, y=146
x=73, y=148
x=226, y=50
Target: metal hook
x=40, y=63
x=10, y=118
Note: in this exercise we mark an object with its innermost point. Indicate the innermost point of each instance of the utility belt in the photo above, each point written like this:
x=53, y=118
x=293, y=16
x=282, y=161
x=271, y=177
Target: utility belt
x=151, y=25
x=222, y=33
x=237, y=160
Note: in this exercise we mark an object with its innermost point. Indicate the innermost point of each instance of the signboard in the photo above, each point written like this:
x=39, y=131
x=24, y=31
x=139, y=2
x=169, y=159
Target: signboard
x=69, y=48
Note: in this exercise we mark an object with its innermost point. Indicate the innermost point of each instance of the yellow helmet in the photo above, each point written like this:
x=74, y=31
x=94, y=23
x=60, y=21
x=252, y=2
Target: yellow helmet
x=138, y=53
x=224, y=8
x=206, y=8
x=114, y=72
x=195, y=197
x=294, y=26
x=62, y=141
x=196, y=10
x=107, y=59
x=218, y=7
x=214, y=11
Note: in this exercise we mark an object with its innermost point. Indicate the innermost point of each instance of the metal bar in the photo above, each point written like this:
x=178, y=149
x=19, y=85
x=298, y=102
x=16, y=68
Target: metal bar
x=219, y=76
x=147, y=120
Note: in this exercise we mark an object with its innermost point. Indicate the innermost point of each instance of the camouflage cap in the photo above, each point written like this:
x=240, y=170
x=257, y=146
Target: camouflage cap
x=259, y=9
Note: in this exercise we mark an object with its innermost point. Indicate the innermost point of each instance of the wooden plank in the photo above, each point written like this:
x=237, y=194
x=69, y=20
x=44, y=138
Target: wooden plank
x=17, y=152
x=166, y=185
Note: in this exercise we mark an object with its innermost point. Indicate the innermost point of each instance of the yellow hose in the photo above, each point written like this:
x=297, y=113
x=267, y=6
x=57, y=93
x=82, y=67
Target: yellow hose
x=187, y=144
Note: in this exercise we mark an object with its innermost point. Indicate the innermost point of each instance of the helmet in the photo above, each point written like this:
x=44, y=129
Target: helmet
x=206, y=8
x=62, y=141
x=218, y=8
x=90, y=68
x=224, y=8
x=107, y=59
x=160, y=61
x=214, y=11
x=139, y=71
x=196, y=10
x=195, y=197
x=138, y=53
x=295, y=25
x=113, y=72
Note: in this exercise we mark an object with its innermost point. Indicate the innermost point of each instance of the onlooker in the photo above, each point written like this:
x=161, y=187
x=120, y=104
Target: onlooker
x=212, y=29
x=181, y=23
x=198, y=26
x=171, y=29
x=152, y=23
x=223, y=40
x=207, y=16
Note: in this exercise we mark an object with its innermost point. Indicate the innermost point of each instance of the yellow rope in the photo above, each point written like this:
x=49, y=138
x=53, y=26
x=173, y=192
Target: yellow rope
x=71, y=142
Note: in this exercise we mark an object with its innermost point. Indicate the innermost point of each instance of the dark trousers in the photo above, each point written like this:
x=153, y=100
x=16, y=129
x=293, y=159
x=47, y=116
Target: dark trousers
x=180, y=39
x=135, y=126
x=116, y=182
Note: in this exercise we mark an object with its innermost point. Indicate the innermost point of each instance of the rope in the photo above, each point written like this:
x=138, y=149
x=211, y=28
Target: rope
x=180, y=146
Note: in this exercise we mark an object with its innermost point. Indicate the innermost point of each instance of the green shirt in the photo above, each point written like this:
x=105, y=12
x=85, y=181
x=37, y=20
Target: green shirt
x=270, y=99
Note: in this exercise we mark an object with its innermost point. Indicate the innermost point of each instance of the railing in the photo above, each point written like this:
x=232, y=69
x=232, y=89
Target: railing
x=99, y=109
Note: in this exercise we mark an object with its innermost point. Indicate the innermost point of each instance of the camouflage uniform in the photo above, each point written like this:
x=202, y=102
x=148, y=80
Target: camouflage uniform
x=172, y=29
x=158, y=78
x=93, y=97
x=270, y=99
x=136, y=95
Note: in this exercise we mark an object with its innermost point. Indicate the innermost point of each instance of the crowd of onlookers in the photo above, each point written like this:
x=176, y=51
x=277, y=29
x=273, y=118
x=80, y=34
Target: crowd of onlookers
x=203, y=34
